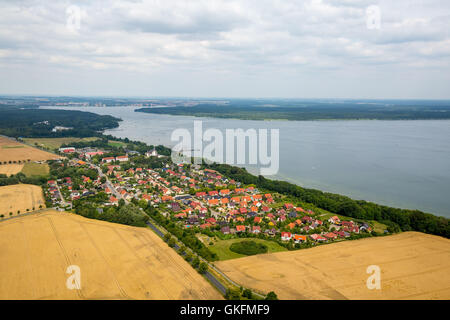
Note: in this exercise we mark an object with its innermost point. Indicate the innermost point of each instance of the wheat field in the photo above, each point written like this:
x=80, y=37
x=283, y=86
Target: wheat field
x=413, y=266
x=116, y=261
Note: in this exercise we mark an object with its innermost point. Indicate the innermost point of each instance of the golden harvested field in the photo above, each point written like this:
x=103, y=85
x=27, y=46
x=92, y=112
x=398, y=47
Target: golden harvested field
x=116, y=261
x=413, y=266
x=10, y=169
x=14, y=151
x=20, y=197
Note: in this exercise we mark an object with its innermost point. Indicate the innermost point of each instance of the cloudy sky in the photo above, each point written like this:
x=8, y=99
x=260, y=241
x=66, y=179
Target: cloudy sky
x=232, y=48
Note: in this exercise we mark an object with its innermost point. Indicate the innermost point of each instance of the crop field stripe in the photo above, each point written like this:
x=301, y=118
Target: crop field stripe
x=29, y=258
x=186, y=273
x=144, y=266
x=122, y=291
x=63, y=251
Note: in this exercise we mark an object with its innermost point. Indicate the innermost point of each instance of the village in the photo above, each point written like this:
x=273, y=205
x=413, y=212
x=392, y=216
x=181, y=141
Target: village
x=196, y=198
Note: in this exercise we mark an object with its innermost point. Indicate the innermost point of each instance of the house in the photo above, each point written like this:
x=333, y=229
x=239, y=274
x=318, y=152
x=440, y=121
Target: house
x=212, y=221
x=288, y=206
x=122, y=158
x=224, y=191
x=257, y=219
x=113, y=200
x=292, y=214
x=298, y=238
x=240, y=228
x=213, y=202
x=330, y=235
x=67, y=150
x=152, y=153
x=225, y=230
x=108, y=159
x=286, y=236
x=175, y=206
x=256, y=229
x=334, y=220
x=317, y=237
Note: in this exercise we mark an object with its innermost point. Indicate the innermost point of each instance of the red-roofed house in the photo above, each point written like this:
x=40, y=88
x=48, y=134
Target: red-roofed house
x=286, y=236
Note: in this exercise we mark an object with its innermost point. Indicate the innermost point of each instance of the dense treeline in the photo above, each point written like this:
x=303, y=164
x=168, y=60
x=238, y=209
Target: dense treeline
x=104, y=142
x=21, y=178
x=125, y=214
x=38, y=123
x=301, y=110
x=248, y=247
x=187, y=236
x=405, y=219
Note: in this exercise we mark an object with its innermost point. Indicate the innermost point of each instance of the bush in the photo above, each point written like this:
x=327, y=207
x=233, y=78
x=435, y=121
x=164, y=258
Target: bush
x=248, y=247
x=233, y=294
x=202, y=268
x=247, y=294
x=271, y=296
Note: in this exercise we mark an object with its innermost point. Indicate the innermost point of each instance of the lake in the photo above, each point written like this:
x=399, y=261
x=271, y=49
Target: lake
x=397, y=163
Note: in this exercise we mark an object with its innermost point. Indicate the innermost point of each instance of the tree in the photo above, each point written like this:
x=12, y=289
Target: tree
x=203, y=268
x=171, y=242
x=271, y=296
x=233, y=294
x=247, y=294
x=166, y=237
x=195, y=262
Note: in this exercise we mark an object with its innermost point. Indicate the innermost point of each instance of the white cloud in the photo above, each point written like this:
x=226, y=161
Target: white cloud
x=261, y=46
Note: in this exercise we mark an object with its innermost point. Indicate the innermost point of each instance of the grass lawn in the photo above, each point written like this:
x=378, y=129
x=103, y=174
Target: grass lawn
x=222, y=247
x=55, y=143
x=378, y=227
x=116, y=144
x=35, y=169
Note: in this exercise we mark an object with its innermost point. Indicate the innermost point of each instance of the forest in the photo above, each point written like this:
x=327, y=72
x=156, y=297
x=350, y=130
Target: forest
x=29, y=121
x=311, y=110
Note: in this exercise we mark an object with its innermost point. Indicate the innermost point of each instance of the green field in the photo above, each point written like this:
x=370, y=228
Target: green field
x=222, y=247
x=55, y=143
x=378, y=227
x=12, y=147
x=116, y=144
x=35, y=169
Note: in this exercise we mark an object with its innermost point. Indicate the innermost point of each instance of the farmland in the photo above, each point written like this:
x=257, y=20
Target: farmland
x=55, y=143
x=413, y=266
x=116, y=261
x=35, y=169
x=14, y=151
x=10, y=169
x=20, y=197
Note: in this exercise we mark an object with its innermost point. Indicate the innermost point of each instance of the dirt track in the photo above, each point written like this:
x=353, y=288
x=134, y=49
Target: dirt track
x=116, y=261
x=413, y=266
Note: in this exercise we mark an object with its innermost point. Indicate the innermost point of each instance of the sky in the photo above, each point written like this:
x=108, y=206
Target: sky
x=375, y=49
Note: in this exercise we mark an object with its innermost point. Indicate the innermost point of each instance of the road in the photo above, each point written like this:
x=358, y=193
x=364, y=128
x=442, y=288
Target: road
x=108, y=183
x=208, y=274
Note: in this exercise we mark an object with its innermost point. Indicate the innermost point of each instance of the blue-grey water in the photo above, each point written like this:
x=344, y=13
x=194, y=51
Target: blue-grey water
x=397, y=163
